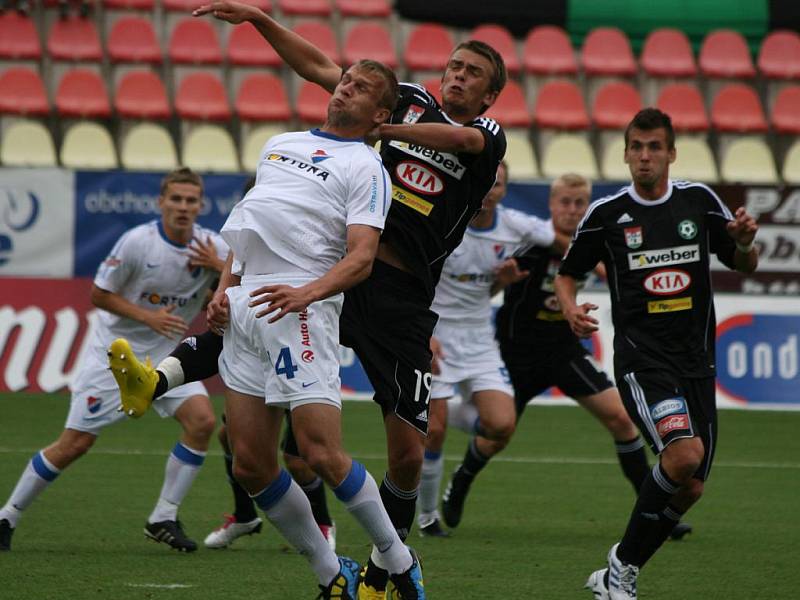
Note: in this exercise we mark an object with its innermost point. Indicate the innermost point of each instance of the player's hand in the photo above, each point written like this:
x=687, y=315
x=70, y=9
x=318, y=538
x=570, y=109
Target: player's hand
x=508, y=272
x=743, y=228
x=204, y=254
x=282, y=298
x=438, y=353
x=232, y=12
x=582, y=324
x=163, y=322
x=217, y=313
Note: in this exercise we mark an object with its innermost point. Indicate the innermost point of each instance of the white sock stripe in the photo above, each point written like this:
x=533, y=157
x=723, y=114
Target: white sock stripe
x=405, y=495
x=661, y=480
x=633, y=446
x=671, y=514
x=312, y=485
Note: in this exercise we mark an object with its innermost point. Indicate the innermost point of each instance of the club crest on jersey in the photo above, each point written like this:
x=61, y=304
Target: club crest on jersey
x=319, y=156
x=499, y=250
x=633, y=237
x=93, y=404
x=419, y=178
x=413, y=114
x=687, y=229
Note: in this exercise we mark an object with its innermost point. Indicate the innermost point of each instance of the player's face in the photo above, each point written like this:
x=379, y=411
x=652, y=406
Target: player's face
x=497, y=192
x=180, y=204
x=567, y=207
x=648, y=156
x=465, y=84
x=355, y=101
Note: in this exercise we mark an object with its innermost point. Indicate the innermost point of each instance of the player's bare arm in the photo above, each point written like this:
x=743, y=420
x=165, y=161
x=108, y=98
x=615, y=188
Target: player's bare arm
x=506, y=273
x=362, y=245
x=437, y=136
x=305, y=59
x=743, y=231
x=577, y=315
x=204, y=254
x=162, y=321
x=217, y=309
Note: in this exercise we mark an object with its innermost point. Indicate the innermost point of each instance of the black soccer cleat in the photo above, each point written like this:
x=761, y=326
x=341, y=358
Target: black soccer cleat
x=680, y=531
x=170, y=533
x=455, y=494
x=6, y=531
x=434, y=529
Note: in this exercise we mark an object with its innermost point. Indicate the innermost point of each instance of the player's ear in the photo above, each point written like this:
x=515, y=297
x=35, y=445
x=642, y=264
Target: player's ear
x=673, y=154
x=381, y=116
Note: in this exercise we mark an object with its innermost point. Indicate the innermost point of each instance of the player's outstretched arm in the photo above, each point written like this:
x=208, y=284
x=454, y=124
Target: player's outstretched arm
x=362, y=245
x=162, y=321
x=507, y=273
x=217, y=309
x=304, y=58
x=576, y=315
x=743, y=231
x=437, y=136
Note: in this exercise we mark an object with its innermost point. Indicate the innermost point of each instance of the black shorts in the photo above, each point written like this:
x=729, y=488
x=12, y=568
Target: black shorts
x=569, y=366
x=387, y=321
x=668, y=407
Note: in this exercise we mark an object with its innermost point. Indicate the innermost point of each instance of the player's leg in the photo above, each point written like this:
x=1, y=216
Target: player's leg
x=196, y=417
x=433, y=465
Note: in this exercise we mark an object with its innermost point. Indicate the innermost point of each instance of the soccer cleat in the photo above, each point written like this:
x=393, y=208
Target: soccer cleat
x=231, y=530
x=6, y=531
x=407, y=585
x=136, y=381
x=680, y=531
x=170, y=533
x=453, y=498
x=368, y=592
x=433, y=529
x=621, y=577
x=597, y=584
x=345, y=585
x=329, y=531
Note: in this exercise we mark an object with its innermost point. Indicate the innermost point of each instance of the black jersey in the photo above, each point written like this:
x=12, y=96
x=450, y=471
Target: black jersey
x=657, y=256
x=434, y=194
x=530, y=312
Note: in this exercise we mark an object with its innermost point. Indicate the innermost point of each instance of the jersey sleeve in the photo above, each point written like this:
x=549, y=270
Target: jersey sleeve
x=717, y=218
x=368, y=197
x=121, y=263
x=586, y=248
x=539, y=232
x=494, y=139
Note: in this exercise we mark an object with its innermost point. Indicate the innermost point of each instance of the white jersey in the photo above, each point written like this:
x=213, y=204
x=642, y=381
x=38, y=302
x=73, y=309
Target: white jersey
x=309, y=187
x=151, y=271
x=463, y=292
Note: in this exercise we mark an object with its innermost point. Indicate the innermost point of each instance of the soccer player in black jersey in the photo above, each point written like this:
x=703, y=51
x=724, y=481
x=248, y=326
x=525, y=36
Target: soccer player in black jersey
x=655, y=238
x=440, y=173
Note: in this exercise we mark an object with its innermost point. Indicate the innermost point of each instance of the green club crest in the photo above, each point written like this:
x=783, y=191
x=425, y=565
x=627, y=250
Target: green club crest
x=687, y=229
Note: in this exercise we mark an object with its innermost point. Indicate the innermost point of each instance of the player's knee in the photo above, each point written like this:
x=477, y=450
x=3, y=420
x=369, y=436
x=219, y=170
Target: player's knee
x=499, y=430
x=436, y=435
x=201, y=424
x=682, y=458
x=246, y=470
x=620, y=425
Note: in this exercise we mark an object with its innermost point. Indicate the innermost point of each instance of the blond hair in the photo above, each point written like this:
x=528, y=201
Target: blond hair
x=570, y=181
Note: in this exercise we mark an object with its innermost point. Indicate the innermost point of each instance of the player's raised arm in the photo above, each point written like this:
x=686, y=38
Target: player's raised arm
x=743, y=231
x=437, y=136
x=304, y=58
x=577, y=315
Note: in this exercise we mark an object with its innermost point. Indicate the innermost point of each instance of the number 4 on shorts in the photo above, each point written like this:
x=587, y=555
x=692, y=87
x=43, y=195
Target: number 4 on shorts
x=284, y=365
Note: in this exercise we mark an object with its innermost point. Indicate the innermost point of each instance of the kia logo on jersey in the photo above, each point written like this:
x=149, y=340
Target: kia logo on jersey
x=419, y=178
x=666, y=282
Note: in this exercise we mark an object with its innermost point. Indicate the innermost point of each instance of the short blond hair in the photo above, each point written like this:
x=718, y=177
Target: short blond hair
x=570, y=181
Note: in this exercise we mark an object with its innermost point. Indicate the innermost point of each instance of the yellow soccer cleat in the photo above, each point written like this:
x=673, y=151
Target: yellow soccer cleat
x=367, y=592
x=136, y=381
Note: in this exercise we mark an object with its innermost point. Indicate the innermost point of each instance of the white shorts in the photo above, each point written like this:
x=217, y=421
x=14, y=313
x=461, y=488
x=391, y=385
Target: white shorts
x=289, y=363
x=471, y=362
x=95, y=397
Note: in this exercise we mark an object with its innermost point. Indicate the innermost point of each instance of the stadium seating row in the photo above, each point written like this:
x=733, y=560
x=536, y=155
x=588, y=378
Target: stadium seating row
x=147, y=146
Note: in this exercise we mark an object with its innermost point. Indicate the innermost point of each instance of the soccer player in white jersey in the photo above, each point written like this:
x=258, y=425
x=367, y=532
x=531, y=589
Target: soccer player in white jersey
x=306, y=231
x=463, y=341
x=149, y=287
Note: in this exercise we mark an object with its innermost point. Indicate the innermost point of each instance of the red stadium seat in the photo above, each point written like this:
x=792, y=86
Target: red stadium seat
x=364, y=8
x=246, y=47
x=428, y=47
x=559, y=105
x=130, y=4
x=74, y=39
x=262, y=98
x=133, y=39
x=369, y=40
x=320, y=8
x=786, y=112
x=667, y=53
x=312, y=103
x=500, y=39
x=724, y=53
x=548, y=51
x=187, y=6
x=434, y=85
x=737, y=109
x=22, y=92
x=82, y=93
x=615, y=105
x=511, y=109
x=607, y=51
x=141, y=95
x=321, y=35
x=201, y=97
x=779, y=57
x=195, y=41
x=18, y=37
x=684, y=104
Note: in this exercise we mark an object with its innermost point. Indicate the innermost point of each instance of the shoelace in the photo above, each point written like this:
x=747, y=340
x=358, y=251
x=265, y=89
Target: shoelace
x=229, y=520
x=627, y=579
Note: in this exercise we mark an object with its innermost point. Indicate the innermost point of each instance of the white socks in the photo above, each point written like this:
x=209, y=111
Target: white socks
x=38, y=474
x=183, y=465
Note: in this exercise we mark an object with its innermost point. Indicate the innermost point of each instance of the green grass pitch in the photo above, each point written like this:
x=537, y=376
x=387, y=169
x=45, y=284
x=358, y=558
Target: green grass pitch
x=538, y=521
